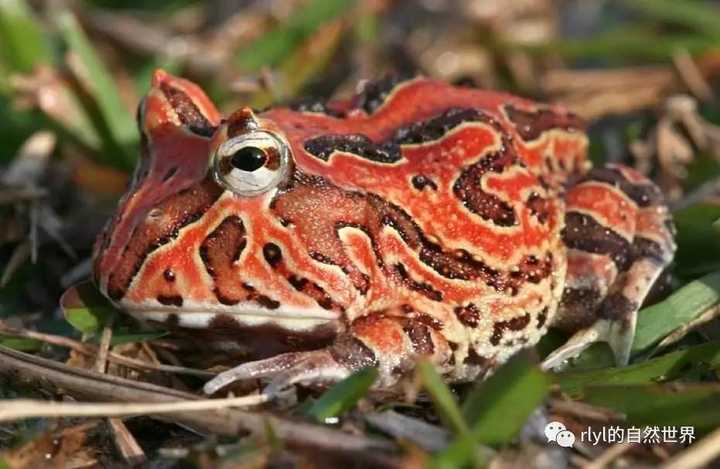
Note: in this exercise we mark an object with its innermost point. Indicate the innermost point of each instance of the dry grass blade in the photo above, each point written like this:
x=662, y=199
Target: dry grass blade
x=427, y=436
x=17, y=409
x=20, y=254
x=704, y=318
x=26, y=369
x=126, y=444
x=691, y=75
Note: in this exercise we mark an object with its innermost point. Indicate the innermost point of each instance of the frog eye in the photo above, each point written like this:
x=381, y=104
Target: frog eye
x=251, y=163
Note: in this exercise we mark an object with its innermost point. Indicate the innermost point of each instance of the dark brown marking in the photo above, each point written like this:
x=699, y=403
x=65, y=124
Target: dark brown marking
x=450, y=265
x=437, y=127
x=187, y=112
x=315, y=106
x=488, y=206
x=540, y=207
x=272, y=254
x=644, y=195
x=468, y=315
x=617, y=306
x=267, y=302
x=577, y=309
x=583, y=232
x=219, y=251
x=375, y=92
x=267, y=339
x=389, y=151
x=515, y=324
x=420, y=337
x=314, y=291
x=423, y=288
x=170, y=300
x=179, y=210
x=420, y=182
x=532, y=124
x=428, y=321
x=474, y=359
x=647, y=248
x=531, y=269
x=542, y=317
x=357, y=144
x=352, y=353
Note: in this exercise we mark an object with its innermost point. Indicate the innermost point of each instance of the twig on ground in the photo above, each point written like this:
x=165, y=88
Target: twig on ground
x=91, y=350
x=27, y=369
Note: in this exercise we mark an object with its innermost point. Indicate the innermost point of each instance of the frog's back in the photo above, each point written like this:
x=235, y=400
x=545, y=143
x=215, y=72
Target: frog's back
x=393, y=114
x=459, y=194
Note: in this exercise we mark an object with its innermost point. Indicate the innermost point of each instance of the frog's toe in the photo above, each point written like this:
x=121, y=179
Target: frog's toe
x=619, y=336
x=253, y=370
x=316, y=367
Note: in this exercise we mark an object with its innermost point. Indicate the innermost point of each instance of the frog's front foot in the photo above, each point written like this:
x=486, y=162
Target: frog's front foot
x=317, y=367
x=393, y=345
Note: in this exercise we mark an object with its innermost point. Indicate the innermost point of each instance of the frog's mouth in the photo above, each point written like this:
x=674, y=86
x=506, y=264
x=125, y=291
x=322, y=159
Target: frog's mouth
x=256, y=332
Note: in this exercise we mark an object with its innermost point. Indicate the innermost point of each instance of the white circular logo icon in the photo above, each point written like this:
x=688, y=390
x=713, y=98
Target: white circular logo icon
x=565, y=439
x=556, y=431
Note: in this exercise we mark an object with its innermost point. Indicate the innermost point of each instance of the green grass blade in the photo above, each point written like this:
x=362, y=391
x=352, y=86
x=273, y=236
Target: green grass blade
x=20, y=343
x=270, y=49
x=120, y=124
x=684, y=305
x=497, y=409
x=625, y=44
x=665, y=367
x=343, y=395
x=698, y=246
x=445, y=403
x=24, y=44
x=85, y=309
x=700, y=17
x=667, y=405
x=303, y=64
x=460, y=452
x=121, y=339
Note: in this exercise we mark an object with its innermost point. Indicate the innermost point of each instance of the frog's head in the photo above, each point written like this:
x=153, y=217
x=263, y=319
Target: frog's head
x=205, y=235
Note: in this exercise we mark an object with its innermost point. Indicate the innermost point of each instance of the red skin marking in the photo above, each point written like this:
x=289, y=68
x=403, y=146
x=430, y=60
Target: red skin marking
x=252, y=268
x=384, y=335
x=360, y=250
x=614, y=208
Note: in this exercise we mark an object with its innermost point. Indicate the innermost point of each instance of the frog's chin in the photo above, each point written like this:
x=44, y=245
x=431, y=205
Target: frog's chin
x=213, y=316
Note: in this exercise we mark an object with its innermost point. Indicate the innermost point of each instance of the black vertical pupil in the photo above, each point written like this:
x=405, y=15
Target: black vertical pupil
x=248, y=159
